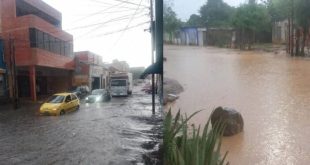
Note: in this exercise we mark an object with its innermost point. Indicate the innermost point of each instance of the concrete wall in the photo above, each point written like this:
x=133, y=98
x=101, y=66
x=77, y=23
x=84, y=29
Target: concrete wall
x=280, y=32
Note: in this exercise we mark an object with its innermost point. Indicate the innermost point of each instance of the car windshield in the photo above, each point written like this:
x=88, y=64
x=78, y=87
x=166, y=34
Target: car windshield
x=118, y=83
x=56, y=99
x=98, y=92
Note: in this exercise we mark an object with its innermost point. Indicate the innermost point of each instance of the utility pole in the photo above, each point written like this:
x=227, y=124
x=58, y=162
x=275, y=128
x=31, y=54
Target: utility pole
x=159, y=40
x=292, y=30
x=152, y=51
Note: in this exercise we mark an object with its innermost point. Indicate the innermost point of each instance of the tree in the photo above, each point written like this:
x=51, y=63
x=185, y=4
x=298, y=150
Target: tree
x=216, y=13
x=250, y=19
x=194, y=20
x=171, y=22
x=303, y=21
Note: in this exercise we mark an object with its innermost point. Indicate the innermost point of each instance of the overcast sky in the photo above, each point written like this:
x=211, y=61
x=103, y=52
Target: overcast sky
x=96, y=25
x=185, y=8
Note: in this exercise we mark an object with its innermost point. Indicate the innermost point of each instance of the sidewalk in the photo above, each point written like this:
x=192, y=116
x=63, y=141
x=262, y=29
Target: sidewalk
x=24, y=104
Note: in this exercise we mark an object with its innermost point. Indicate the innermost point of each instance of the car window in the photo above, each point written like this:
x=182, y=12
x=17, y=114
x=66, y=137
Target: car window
x=56, y=99
x=68, y=98
x=73, y=97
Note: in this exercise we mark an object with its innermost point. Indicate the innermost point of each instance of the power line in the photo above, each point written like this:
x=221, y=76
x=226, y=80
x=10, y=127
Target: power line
x=131, y=3
x=117, y=31
x=127, y=25
x=101, y=25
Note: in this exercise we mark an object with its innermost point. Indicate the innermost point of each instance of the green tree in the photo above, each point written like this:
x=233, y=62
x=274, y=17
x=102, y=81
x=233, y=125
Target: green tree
x=303, y=22
x=171, y=22
x=250, y=19
x=194, y=20
x=278, y=9
x=216, y=13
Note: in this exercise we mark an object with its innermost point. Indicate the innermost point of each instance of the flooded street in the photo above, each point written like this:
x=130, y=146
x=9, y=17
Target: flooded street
x=272, y=92
x=103, y=133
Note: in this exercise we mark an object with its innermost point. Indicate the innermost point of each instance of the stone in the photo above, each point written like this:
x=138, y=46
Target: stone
x=171, y=90
x=233, y=119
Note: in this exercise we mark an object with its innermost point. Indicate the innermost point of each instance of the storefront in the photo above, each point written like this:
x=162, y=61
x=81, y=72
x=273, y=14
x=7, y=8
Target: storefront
x=3, y=91
x=3, y=83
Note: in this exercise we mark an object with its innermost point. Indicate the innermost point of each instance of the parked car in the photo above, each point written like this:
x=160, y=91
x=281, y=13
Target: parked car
x=98, y=95
x=60, y=103
x=80, y=91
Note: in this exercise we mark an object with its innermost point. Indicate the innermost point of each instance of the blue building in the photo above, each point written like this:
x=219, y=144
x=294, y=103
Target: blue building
x=3, y=72
x=192, y=36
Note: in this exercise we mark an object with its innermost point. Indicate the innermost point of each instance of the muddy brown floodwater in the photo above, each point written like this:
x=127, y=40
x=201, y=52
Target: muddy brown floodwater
x=272, y=92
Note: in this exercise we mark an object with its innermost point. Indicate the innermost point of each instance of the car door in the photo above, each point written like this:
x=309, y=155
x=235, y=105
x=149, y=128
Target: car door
x=75, y=101
x=66, y=105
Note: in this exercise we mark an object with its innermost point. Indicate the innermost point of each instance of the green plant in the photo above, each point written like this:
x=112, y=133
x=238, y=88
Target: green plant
x=184, y=146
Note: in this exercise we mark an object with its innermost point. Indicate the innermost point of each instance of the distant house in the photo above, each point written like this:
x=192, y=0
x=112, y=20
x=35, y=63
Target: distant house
x=280, y=32
x=90, y=71
x=192, y=36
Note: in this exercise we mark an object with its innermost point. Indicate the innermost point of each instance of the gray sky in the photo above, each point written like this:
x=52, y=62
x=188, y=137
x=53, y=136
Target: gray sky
x=185, y=8
x=91, y=23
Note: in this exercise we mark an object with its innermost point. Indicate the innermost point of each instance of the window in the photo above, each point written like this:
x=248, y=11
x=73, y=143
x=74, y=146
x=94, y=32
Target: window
x=33, y=37
x=57, y=46
x=68, y=98
x=39, y=39
x=46, y=41
x=73, y=97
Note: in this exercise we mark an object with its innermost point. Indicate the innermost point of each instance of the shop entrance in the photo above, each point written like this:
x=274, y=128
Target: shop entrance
x=95, y=83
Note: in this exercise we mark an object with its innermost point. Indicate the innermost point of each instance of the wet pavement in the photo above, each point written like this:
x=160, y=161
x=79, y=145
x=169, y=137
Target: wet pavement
x=272, y=92
x=117, y=132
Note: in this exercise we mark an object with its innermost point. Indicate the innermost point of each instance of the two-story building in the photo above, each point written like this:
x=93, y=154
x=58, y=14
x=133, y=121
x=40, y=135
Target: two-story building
x=90, y=71
x=43, y=51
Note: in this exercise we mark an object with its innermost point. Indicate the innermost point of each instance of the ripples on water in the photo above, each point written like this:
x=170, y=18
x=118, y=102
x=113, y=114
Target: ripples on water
x=272, y=92
x=107, y=133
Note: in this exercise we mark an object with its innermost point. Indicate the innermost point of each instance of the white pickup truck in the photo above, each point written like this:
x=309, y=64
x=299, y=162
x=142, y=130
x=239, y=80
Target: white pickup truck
x=121, y=84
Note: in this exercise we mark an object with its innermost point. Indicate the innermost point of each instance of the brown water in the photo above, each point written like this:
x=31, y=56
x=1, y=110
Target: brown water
x=271, y=91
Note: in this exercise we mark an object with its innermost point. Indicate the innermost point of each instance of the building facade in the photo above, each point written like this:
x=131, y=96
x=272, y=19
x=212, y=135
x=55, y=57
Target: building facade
x=90, y=71
x=43, y=51
x=3, y=73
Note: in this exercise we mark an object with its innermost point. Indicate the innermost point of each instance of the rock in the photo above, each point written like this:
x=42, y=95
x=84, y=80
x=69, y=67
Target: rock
x=171, y=89
x=170, y=98
x=233, y=119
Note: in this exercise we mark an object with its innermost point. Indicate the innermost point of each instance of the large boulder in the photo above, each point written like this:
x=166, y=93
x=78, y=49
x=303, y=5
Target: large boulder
x=232, y=118
x=171, y=89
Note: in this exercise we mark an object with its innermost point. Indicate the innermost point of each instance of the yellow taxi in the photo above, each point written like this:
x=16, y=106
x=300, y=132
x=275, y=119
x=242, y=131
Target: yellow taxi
x=59, y=104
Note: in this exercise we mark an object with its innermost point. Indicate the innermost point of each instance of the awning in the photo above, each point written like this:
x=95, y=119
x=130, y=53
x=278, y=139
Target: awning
x=156, y=68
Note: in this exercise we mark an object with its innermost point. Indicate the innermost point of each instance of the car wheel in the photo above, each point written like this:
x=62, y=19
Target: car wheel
x=77, y=107
x=62, y=112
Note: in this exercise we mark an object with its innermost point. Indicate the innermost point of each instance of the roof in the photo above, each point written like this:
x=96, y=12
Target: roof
x=63, y=94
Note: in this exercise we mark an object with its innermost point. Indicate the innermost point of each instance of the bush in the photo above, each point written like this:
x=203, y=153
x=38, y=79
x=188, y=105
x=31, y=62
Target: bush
x=182, y=147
